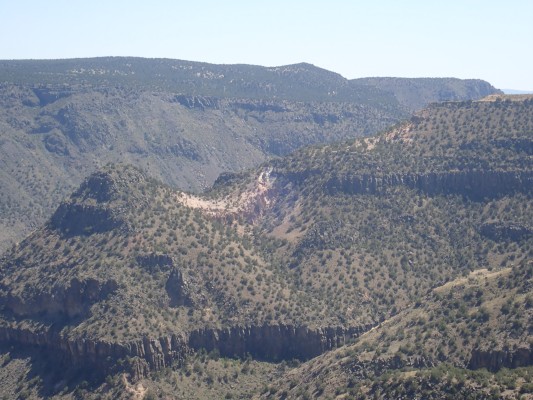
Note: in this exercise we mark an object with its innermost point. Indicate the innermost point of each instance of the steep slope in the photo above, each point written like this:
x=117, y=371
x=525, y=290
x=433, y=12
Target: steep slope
x=123, y=270
x=286, y=261
x=49, y=147
x=183, y=122
x=430, y=349
x=380, y=221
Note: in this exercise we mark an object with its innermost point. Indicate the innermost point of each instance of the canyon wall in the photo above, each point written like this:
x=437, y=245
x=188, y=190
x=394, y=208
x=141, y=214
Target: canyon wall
x=494, y=360
x=265, y=342
x=473, y=184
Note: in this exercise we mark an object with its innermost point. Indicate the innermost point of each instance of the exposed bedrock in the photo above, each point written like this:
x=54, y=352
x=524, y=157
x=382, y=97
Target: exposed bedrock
x=148, y=353
x=494, y=360
x=62, y=301
x=473, y=184
x=501, y=231
x=82, y=219
x=273, y=342
x=266, y=342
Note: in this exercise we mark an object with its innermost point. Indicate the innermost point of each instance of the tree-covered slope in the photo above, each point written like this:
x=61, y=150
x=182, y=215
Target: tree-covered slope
x=296, y=257
x=470, y=338
x=183, y=122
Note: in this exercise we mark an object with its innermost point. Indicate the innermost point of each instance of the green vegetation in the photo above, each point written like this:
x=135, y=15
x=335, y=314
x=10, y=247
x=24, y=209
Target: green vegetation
x=298, y=82
x=440, y=347
x=203, y=376
x=447, y=382
x=182, y=122
x=449, y=137
x=329, y=241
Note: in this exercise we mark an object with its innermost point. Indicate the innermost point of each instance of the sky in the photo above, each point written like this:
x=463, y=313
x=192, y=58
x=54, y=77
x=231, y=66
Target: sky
x=489, y=39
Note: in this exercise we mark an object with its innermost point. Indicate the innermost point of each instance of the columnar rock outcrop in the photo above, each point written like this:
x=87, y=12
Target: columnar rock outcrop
x=494, y=360
x=273, y=342
x=266, y=342
x=102, y=354
x=501, y=231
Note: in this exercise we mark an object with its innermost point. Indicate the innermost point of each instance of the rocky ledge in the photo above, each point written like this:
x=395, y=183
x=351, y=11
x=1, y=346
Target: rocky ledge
x=82, y=219
x=138, y=357
x=476, y=185
x=501, y=231
x=274, y=342
x=494, y=360
x=71, y=300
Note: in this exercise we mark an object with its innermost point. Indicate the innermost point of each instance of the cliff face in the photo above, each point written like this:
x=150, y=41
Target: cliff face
x=266, y=342
x=153, y=353
x=494, y=360
x=273, y=342
x=69, y=301
x=476, y=185
x=83, y=219
x=499, y=231
x=178, y=289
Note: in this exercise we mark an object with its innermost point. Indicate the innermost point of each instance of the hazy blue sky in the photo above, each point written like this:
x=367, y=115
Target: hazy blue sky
x=489, y=39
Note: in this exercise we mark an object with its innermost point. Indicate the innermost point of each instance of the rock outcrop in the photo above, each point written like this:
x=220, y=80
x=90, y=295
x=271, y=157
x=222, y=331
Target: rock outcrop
x=155, y=261
x=362, y=369
x=273, y=342
x=199, y=102
x=147, y=353
x=99, y=203
x=500, y=231
x=266, y=342
x=71, y=301
x=476, y=185
x=494, y=360
x=178, y=289
x=83, y=219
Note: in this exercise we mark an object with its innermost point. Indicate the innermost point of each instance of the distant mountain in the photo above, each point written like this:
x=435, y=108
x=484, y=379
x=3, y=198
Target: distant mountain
x=298, y=82
x=413, y=245
x=416, y=93
x=183, y=122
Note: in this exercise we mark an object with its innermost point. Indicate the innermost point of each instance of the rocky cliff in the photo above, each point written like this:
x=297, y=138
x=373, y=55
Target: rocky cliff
x=472, y=184
x=273, y=342
x=78, y=219
x=494, y=360
x=266, y=342
x=501, y=231
x=139, y=356
x=61, y=301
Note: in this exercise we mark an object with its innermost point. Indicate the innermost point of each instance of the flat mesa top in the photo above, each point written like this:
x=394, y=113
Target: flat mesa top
x=511, y=97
